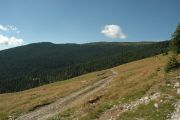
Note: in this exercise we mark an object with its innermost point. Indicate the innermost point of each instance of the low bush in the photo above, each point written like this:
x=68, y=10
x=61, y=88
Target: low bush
x=171, y=64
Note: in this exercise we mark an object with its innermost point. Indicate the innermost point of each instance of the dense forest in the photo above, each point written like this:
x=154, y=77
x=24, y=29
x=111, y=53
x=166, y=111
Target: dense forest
x=36, y=64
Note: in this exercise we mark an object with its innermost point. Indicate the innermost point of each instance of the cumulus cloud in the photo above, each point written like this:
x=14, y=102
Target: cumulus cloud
x=8, y=28
x=2, y=28
x=113, y=31
x=4, y=40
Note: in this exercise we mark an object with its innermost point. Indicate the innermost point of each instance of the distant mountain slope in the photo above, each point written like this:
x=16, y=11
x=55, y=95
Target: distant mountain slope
x=41, y=63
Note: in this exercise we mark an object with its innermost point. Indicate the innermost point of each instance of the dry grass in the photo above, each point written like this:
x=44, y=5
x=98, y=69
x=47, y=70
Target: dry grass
x=134, y=80
x=31, y=99
x=136, y=76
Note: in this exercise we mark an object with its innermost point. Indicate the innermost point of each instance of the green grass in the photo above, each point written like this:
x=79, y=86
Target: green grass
x=135, y=94
x=165, y=89
x=96, y=113
x=4, y=116
x=149, y=112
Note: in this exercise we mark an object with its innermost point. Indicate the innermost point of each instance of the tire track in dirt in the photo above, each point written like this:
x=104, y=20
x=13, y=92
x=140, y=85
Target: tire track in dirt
x=64, y=103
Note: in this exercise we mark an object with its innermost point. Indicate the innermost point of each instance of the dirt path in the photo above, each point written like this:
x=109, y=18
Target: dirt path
x=63, y=104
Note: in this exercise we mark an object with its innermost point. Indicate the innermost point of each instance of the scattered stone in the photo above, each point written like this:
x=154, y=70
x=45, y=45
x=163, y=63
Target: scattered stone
x=178, y=91
x=177, y=77
x=10, y=117
x=176, y=85
x=176, y=114
x=154, y=96
x=130, y=106
x=156, y=105
x=146, y=98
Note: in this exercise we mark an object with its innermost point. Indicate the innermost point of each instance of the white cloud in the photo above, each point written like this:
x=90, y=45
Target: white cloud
x=8, y=28
x=4, y=40
x=113, y=31
x=2, y=28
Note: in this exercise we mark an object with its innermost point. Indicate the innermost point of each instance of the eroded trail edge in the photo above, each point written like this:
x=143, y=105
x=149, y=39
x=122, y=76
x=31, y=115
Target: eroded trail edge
x=64, y=103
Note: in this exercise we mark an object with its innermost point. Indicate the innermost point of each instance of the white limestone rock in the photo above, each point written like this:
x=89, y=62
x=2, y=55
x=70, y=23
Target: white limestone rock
x=156, y=105
x=176, y=85
x=178, y=91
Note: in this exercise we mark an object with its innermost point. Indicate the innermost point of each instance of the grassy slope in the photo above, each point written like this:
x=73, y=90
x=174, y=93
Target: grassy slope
x=133, y=82
x=30, y=99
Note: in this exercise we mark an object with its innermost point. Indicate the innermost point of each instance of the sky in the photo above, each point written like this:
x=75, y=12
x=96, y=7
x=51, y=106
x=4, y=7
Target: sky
x=82, y=21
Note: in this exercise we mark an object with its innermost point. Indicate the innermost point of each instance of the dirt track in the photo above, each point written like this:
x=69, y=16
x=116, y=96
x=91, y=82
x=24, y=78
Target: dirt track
x=63, y=104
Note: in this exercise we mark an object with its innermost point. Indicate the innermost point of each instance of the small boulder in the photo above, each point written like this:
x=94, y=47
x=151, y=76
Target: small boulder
x=178, y=91
x=156, y=105
x=176, y=85
x=177, y=77
x=10, y=117
x=146, y=98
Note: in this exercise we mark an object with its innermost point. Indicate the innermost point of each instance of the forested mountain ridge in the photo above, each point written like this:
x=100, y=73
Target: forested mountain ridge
x=41, y=63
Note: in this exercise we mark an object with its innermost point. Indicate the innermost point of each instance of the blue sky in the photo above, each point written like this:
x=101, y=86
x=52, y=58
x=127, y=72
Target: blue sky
x=81, y=21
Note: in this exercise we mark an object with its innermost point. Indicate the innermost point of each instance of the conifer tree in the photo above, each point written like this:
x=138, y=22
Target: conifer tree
x=175, y=42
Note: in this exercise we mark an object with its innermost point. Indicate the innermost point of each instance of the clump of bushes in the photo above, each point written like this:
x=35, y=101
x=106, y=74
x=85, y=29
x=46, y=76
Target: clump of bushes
x=175, y=49
x=172, y=63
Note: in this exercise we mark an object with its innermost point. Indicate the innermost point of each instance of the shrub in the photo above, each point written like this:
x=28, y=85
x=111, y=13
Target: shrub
x=172, y=63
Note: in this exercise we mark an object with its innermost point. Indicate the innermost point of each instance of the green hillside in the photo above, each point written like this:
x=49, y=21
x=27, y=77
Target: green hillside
x=41, y=63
